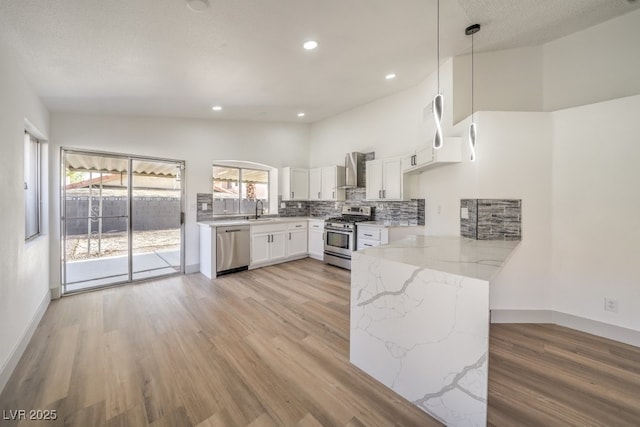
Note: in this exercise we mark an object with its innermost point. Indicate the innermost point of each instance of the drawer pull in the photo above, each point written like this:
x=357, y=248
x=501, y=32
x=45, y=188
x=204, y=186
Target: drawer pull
x=368, y=235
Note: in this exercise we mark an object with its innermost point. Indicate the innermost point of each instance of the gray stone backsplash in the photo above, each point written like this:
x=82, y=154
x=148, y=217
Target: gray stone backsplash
x=492, y=219
x=411, y=212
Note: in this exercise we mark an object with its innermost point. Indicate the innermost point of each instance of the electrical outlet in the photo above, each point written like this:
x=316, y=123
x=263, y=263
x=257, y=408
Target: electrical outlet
x=439, y=209
x=611, y=305
x=464, y=213
x=204, y=206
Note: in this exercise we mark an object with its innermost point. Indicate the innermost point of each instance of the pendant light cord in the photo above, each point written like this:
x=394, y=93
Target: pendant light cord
x=472, y=79
x=438, y=41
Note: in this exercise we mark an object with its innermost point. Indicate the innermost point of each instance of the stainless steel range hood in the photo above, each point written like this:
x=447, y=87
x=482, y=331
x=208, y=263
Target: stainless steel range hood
x=354, y=164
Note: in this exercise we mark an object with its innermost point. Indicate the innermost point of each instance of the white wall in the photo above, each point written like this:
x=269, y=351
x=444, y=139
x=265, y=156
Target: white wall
x=390, y=126
x=596, y=206
x=198, y=142
x=513, y=162
x=504, y=80
x=24, y=267
x=596, y=64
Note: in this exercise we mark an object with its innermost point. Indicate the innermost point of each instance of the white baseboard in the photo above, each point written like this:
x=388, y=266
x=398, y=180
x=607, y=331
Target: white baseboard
x=601, y=329
x=13, y=360
x=193, y=268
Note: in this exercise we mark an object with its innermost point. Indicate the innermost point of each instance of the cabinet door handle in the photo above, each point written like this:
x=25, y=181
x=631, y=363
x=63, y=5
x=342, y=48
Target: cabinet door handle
x=333, y=195
x=318, y=195
x=292, y=194
x=289, y=235
x=384, y=194
x=379, y=194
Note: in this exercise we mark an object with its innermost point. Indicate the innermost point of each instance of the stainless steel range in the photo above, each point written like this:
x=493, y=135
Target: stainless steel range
x=340, y=235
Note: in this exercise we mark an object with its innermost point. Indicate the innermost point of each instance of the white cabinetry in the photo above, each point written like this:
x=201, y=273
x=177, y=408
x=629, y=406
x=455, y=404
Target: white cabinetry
x=268, y=243
x=315, y=184
x=297, y=239
x=428, y=157
x=324, y=183
x=316, y=239
x=385, y=179
x=278, y=242
x=294, y=184
x=369, y=236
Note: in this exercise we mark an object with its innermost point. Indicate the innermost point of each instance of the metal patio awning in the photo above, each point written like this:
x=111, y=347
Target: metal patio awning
x=108, y=164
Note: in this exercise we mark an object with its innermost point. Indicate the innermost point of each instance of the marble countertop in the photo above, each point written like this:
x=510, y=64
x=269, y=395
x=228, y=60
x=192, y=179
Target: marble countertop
x=479, y=259
x=262, y=220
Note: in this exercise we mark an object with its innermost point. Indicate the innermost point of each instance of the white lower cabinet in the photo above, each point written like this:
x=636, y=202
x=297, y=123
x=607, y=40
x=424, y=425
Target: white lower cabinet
x=267, y=247
x=297, y=239
x=316, y=239
x=369, y=236
x=278, y=242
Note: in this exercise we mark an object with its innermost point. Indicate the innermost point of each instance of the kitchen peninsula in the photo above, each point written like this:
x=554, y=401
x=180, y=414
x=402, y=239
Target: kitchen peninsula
x=420, y=321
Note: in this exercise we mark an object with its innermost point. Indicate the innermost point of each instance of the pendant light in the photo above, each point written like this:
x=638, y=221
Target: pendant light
x=438, y=100
x=473, y=133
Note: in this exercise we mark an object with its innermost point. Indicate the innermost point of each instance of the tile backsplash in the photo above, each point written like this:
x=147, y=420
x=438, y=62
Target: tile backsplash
x=492, y=219
x=412, y=211
x=407, y=211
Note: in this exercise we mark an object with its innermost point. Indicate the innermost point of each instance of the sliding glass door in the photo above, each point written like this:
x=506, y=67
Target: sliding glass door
x=121, y=219
x=156, y=218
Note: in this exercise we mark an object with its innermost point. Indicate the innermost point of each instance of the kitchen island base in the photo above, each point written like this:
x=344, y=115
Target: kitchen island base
x=424, y=332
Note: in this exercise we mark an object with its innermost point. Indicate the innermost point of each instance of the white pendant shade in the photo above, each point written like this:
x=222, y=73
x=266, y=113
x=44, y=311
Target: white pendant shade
x=438, y=107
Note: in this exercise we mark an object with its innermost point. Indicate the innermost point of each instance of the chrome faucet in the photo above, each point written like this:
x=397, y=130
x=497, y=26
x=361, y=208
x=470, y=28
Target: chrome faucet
x=261, y=208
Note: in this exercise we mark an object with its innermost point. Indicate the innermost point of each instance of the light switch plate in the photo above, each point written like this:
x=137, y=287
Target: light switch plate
x=283, y=205
x=464, y=213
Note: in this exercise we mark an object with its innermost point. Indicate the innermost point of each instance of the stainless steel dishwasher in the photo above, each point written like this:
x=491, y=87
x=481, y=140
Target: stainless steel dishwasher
x=232, y=249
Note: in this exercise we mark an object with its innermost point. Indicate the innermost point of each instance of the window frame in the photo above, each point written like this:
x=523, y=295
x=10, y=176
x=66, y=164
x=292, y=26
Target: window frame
x=37, y=165
x=241, y=170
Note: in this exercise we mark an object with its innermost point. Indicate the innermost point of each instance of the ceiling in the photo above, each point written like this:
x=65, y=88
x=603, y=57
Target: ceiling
x=160, y=58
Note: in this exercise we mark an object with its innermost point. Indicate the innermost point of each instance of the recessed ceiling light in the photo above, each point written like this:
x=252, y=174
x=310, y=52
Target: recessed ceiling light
x=300, y=114
x=216, y=108
x=310, y=45
x=390, y=76
x=198, y=5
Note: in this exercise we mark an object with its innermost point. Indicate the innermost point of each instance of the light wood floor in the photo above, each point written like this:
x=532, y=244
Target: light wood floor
x=547, y=375
x=269, y=347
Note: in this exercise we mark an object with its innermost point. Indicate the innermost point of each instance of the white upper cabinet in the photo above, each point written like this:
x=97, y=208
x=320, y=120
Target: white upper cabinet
x=294, y=184
x=324, y=183
x=373, y=173
x=332, y=178
x=385, y=179
x=315, y=184
x=428, y=157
